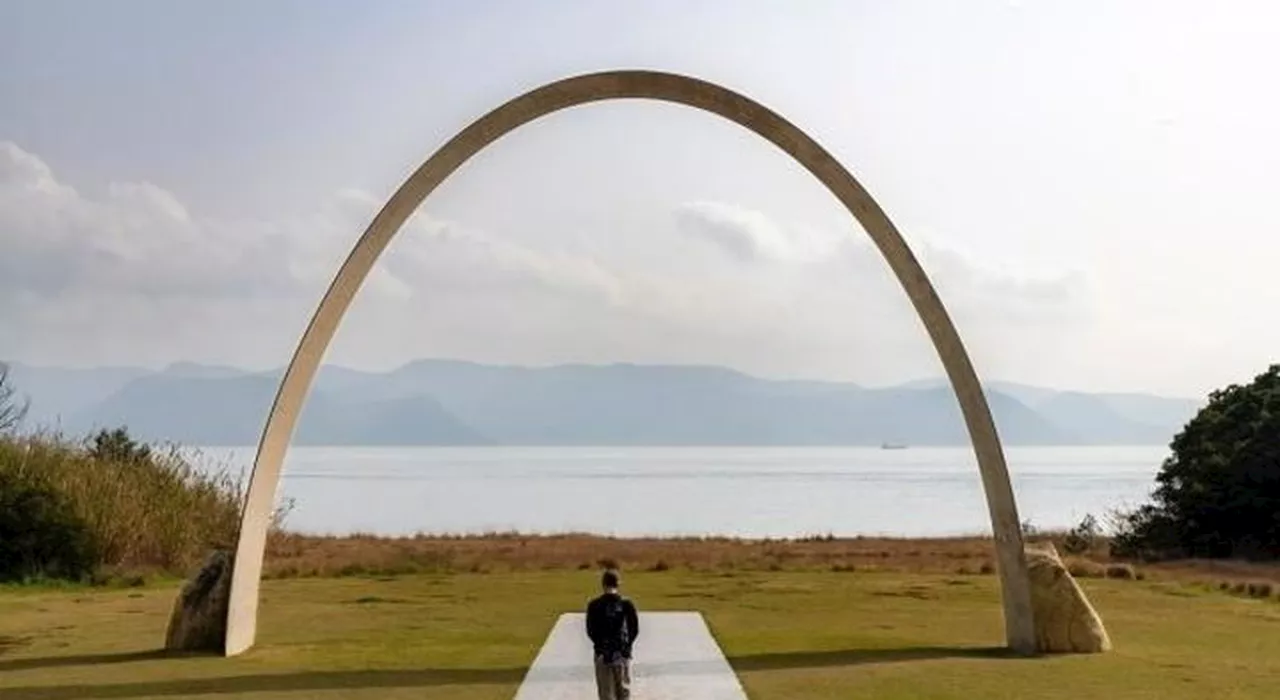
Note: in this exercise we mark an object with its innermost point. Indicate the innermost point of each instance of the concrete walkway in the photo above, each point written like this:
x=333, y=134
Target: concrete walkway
x=676, y=658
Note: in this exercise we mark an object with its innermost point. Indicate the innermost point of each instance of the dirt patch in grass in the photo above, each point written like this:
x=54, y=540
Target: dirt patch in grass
x=10, y=643
x=372, y=599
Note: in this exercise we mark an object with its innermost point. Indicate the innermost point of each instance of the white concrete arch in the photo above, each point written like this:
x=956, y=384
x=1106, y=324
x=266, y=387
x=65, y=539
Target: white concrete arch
x=596, y=87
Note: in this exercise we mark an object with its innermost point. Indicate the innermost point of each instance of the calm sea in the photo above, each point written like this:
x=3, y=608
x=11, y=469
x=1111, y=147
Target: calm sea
x=693, y=491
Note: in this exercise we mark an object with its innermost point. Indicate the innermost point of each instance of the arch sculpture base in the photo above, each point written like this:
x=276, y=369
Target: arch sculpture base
x=199, y=618
x=1066, y=622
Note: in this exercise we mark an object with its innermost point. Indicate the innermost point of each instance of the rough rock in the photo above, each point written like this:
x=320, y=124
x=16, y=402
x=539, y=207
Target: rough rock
x=199, y=618
x=1065, y=621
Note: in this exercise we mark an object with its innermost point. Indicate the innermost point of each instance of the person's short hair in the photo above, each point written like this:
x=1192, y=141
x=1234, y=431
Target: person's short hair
x=609, y=579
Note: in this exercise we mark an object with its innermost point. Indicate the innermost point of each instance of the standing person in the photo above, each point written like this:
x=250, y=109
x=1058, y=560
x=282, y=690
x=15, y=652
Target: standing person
x=612, y=627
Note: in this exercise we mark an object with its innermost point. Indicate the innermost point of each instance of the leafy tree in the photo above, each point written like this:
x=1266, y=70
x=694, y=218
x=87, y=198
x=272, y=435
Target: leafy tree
x=117, y=446
x=1218, y=493
x=12, y=411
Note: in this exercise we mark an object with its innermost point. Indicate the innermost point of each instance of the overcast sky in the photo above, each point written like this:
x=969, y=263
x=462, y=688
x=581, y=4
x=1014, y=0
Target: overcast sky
x=1092, y=185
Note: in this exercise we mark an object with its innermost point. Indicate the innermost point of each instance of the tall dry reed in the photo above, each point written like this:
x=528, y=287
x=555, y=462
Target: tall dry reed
x=150, y=510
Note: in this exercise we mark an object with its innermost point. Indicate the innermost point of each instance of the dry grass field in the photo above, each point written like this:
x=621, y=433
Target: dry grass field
x=295, y=555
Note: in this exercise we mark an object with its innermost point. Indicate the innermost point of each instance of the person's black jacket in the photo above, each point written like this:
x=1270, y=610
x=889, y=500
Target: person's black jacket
x=596, y=632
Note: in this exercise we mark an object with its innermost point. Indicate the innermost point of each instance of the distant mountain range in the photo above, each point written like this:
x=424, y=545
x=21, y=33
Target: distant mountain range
x=447, y=402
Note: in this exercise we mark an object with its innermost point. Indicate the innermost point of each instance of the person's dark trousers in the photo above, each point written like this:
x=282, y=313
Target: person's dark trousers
x=613, y=679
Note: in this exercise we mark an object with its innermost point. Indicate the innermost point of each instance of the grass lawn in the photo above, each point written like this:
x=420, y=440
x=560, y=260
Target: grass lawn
x=788, y=634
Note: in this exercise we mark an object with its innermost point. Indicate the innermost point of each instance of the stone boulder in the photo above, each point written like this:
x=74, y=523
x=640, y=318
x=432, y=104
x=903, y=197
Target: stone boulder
x=1065, y=621
x=199, y=618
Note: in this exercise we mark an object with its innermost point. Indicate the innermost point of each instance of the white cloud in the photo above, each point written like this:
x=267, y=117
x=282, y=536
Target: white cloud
x=1007, y=291
x=834, y=289
x=136, y=238
x=140, y=239
x=149, y=283
x=751, y=235
x=438, y=254
x=133, y=266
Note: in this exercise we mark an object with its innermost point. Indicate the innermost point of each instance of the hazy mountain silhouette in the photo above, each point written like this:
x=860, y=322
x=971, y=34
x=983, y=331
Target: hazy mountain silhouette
x=449, y=402
x=1098, y=418
x=199, y=409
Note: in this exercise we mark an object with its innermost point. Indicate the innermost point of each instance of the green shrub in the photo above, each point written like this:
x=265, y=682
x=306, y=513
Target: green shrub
x=1083, y=568
x=1261, y=589
x=1121, y=571
x=40, y=535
